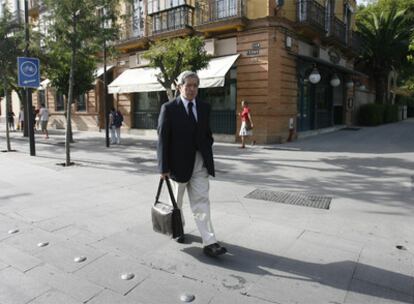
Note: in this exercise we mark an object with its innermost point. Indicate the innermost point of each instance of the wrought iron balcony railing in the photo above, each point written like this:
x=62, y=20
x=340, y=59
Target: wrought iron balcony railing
x=337, y=30
x=312, y=13
x=173, y=19
x=218, y=10
x=156, y=6
x=356, y=42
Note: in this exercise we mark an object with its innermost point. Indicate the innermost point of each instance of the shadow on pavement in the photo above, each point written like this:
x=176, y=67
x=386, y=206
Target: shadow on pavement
x=337, y=275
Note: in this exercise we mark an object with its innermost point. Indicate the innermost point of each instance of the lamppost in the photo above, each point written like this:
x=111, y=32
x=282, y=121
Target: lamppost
x=105, y=79
x=30, y=123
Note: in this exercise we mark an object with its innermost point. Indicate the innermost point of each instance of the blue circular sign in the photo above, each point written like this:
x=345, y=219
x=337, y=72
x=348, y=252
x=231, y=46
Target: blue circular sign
x=28, y=69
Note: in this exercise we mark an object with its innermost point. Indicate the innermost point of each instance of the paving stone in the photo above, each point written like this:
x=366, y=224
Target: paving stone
x=387, y=266
x=75, y=286
x=54, y=297
x=17, y=288
x=17, y=258
x=27, y=240
x=165, y=288
x=322, y=274
x=107, y=270
x=367, y=293
x=110, y=297
x=62, y=255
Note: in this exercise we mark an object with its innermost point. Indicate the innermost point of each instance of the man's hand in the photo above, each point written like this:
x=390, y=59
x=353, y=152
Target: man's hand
x=164, y=175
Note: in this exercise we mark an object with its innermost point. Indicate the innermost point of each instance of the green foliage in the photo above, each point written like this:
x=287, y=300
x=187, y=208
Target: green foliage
x=11, y=46
x=387, y=29
x=390, y=113
x=88, y=40
x=377, y=114
x=371, y=114
x=173, y=56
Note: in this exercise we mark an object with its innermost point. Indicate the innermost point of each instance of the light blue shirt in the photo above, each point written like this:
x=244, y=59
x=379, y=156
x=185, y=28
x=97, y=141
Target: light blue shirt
x=186, y=101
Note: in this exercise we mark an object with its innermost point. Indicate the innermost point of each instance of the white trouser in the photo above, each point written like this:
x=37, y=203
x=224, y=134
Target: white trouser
x=115, y=135
x=197, y=189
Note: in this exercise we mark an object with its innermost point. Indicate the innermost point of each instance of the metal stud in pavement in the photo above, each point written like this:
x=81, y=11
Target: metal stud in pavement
x=127, y=276
x=13, y=231
x=42, y=244
x=186, y=297
x=79, y=259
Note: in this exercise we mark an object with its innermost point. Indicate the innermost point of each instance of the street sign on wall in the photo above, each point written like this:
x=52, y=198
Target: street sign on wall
x=28, y=72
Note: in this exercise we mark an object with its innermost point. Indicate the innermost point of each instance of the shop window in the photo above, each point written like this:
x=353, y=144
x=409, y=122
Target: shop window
x=59, y=102
x=41, y=97
x=81, y=103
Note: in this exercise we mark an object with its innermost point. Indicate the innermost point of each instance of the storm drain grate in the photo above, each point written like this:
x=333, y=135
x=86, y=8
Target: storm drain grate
x=299, y=199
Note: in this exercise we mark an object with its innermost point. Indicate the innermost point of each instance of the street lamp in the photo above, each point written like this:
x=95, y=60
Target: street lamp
x=314, y=76
x=105, y=80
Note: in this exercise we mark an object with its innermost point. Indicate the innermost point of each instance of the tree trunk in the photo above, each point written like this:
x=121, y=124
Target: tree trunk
x=70, y=96
x=381, y=88
x=170, y=94
x=6, y=94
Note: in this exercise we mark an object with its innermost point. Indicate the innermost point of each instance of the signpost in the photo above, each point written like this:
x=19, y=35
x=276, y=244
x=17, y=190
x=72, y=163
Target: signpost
x=29, y=72
x=29, y=77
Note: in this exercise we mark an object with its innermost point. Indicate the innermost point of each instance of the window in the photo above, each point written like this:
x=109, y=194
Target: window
x=81, y=103
x=59, y=102
x=41, y=96
x=329, y=15
x=226, y=8
x=137, y=17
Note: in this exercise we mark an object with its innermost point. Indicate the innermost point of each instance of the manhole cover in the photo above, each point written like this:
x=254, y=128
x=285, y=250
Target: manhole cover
x=300, y=199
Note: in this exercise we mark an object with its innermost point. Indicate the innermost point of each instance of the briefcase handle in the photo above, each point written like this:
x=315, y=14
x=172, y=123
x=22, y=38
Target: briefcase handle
x=167, y=180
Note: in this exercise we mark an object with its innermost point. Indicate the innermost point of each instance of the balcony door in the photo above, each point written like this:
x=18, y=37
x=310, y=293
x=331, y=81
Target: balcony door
x=137, y=17
x=226, y=8
x=329, y=15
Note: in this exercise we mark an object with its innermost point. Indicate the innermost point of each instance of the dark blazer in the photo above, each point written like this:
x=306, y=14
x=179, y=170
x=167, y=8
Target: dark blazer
x=179, y=139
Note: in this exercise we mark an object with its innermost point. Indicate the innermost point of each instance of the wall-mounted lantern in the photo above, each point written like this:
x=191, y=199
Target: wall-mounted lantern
x=335, y=81
x=314, y=76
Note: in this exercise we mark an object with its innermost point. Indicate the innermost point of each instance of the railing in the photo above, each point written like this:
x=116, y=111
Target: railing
x=156, y=6
x=173, y=19
x=223, y=122
x=356, y=42
x=218, y=10
x=337, y=30
x=312, y=13
x=131, y=30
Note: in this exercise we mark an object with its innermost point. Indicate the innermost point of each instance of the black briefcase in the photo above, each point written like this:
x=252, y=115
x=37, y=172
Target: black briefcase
x=166, y=218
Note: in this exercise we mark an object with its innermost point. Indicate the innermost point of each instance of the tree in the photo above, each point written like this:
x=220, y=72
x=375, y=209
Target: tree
x=10, y=46
x=173, y=56
x=386, y=37
x=75, y=38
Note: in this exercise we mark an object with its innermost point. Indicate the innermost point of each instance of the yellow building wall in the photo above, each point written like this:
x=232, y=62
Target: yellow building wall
x=257, y=9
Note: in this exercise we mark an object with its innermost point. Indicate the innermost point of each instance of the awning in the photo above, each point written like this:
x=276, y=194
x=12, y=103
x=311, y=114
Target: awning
x=145, y=80
x=44, y=84
x=331, y=65
x=99, y=72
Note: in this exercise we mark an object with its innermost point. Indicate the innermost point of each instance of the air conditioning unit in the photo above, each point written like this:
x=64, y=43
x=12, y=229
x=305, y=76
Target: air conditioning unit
x=210, y=46
x=140, y=60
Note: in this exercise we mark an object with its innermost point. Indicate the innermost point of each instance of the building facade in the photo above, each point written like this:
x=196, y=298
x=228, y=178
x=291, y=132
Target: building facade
x=264, y=51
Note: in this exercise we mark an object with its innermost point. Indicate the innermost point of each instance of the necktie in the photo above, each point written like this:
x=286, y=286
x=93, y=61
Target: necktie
x=191, y=113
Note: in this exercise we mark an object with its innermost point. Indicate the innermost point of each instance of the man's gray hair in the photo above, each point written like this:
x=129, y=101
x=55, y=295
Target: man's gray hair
x=187, y=74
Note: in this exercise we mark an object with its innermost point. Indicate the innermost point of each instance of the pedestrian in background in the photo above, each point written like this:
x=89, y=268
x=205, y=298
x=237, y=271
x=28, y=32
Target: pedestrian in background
x=21, y=119
x=43, y=119
x=185, y=155
x=10, y=120
x=246, y=129
x=115, y=122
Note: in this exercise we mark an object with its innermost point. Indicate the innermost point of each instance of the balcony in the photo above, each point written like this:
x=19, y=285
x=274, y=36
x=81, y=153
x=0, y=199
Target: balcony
x=356, y=43
x=158, y=6
x=337, y=32
x=179, y=18
x=310, y=17
x=221, y=15
x=132, y=35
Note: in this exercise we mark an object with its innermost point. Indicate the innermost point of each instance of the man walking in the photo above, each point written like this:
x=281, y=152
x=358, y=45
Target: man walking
x=44, y=118
x=185, y=155
x=115, y=122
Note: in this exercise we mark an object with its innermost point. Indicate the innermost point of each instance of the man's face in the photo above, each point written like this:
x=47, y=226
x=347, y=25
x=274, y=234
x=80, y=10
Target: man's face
x=189, y=89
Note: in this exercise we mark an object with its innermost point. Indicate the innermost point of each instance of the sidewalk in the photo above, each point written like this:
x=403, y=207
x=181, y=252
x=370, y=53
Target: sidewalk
x=278, y=252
